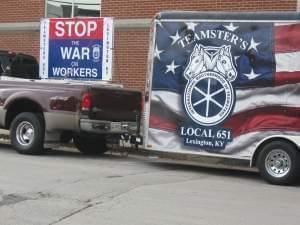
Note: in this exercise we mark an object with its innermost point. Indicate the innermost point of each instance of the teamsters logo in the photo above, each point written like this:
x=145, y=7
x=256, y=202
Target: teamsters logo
x=209, y=95
x=209, y=74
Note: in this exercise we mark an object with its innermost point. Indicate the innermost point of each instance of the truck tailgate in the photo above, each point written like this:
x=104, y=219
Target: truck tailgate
x=115, y=104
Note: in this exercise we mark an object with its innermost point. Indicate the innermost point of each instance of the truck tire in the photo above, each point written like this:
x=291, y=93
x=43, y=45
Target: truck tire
x=90, y=145
x=27, y=132
x=279, y=163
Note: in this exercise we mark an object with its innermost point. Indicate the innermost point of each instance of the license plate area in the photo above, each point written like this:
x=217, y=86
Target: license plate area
x=115, y=126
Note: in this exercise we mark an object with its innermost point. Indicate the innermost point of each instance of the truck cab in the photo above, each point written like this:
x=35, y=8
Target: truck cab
x=18, y=65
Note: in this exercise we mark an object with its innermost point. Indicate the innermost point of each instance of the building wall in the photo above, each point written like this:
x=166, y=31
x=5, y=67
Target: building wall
x=147, y=8
x=21, y=11
x=131, y=45
x=27, y=42
x=130, y=57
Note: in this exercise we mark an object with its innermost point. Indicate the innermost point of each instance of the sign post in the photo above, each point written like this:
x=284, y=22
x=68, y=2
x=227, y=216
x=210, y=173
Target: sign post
x=77, y=48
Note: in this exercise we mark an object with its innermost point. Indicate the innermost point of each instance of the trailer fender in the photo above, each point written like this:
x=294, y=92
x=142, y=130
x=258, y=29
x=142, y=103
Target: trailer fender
x=291, y=139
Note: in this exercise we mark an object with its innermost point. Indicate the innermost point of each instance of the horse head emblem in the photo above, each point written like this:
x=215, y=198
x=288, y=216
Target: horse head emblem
x=216, y=59
x=224, y=64
x=198, y=63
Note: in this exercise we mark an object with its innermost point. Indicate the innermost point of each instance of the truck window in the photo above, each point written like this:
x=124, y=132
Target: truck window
x=24, y=67
x=1, y=69
x=4, y=61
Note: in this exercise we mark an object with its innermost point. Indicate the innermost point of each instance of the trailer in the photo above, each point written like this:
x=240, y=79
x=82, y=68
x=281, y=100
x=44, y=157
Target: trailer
x=226, y=85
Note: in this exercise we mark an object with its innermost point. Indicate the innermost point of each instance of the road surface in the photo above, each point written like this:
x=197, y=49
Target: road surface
x=64, y=187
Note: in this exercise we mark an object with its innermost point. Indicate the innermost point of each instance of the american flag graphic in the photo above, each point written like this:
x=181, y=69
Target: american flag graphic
x=266, y=56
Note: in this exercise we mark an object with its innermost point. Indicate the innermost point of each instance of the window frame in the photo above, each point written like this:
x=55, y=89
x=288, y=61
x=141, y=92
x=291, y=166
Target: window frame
x=73, y=3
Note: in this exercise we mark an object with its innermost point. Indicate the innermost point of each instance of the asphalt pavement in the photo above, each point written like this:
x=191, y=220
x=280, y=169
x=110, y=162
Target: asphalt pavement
x=65, y=187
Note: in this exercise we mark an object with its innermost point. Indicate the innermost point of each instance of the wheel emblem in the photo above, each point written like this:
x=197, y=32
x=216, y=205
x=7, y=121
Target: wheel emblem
x=208, y=98
x=25, y=133
x=278, y=163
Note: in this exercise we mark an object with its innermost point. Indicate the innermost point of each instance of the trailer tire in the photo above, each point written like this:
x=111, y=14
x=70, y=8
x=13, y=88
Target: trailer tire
x=279, y=163
x=27, y=132
x=90, y=145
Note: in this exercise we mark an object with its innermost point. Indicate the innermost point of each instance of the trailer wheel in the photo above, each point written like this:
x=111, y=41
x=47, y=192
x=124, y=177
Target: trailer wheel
x=279, y=163
x=27, y=133
x=90, y=145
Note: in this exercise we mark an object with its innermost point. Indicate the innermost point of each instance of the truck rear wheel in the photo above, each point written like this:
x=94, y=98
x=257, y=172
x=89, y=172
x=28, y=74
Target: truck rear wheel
x=90, y=145
x=27, y=132
x=279, y=163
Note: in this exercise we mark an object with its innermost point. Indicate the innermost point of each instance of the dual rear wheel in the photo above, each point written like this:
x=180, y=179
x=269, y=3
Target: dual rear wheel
x=27, y=133
x=90, y=145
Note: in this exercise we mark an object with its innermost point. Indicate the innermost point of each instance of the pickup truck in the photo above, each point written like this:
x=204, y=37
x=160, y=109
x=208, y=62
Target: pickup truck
x=41, y=112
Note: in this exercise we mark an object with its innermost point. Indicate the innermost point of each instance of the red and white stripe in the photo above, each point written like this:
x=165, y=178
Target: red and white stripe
x=287, y=53
x=270, y=108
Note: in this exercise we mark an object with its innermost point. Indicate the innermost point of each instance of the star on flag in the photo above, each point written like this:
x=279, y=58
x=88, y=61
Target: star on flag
x=253, y=44
x=171, y=68
x=231, y=27
x=252, y=75
x=157, y=52
x=175, y=38
x=191, y=26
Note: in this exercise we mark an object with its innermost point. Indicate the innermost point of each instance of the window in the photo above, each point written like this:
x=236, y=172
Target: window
x=73, y=8
x=18, y=65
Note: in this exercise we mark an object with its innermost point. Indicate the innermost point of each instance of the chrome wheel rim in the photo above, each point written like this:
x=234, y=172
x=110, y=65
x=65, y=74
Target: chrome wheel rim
x=278, y=163
x=25, y=133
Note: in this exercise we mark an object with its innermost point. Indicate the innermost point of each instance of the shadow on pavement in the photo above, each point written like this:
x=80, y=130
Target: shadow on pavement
x=239, y=170
x=208, y=169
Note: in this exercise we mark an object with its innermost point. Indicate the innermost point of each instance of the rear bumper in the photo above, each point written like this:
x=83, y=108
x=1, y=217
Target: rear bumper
x=109, y=127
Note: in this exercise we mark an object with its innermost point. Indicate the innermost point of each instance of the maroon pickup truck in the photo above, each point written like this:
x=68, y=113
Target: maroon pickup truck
x=40, y=112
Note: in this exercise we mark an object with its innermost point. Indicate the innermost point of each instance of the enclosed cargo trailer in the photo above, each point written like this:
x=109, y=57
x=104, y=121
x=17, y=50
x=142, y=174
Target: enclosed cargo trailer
x=226, y=85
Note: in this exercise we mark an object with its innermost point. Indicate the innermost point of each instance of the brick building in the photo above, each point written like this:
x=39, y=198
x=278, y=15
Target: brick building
x=19, y=24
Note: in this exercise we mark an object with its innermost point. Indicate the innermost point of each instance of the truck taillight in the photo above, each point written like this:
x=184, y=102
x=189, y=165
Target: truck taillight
x=86, y=102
